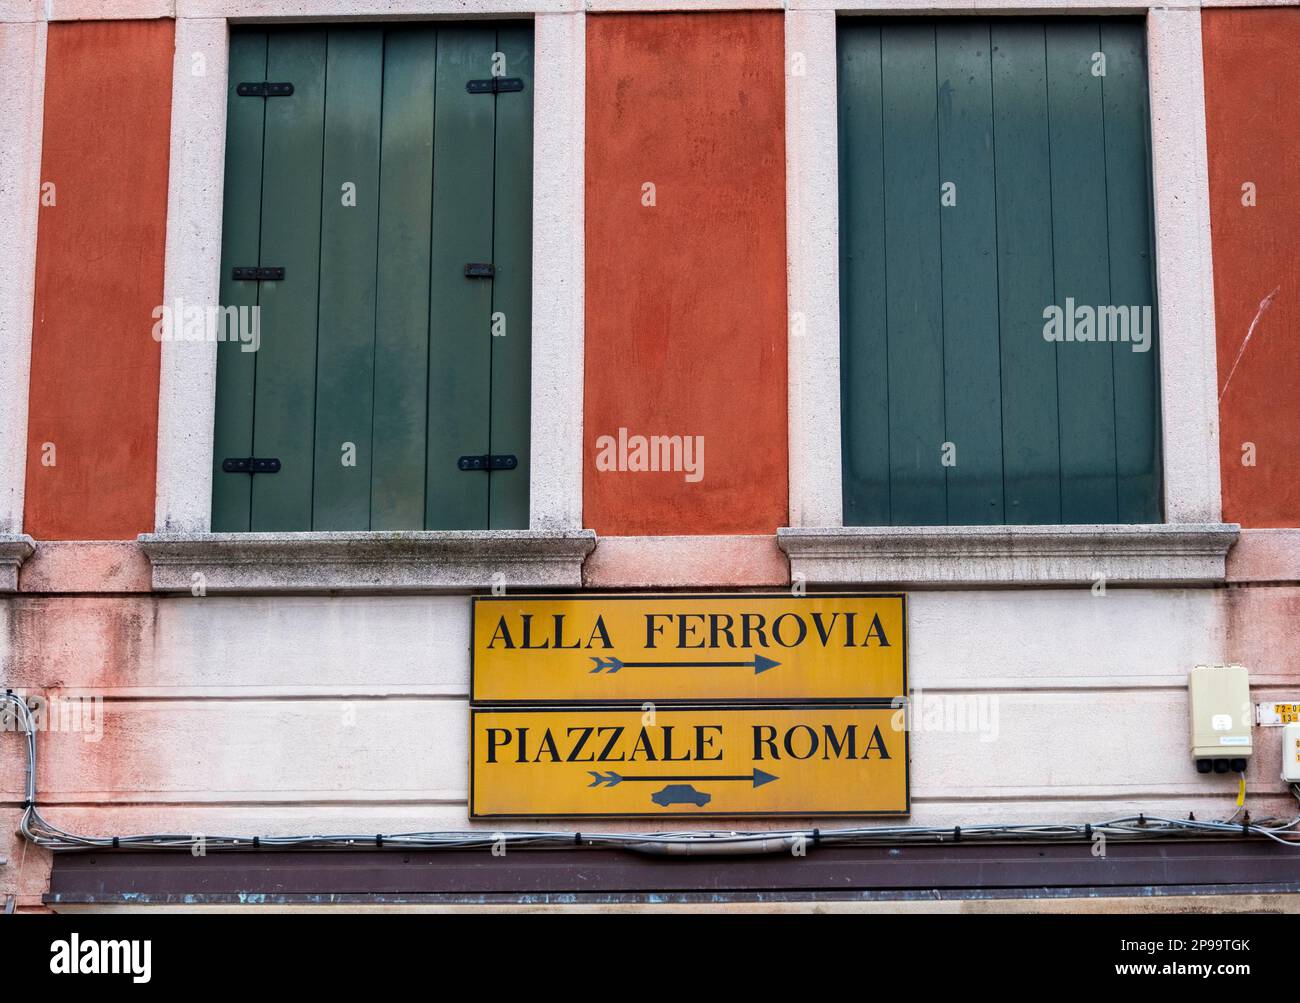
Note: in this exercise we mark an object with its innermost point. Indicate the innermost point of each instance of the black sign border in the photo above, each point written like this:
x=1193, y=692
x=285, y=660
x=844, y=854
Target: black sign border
x=905, y=707
x=474, y=700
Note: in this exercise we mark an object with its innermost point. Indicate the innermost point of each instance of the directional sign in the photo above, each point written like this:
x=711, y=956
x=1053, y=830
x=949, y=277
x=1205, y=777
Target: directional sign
x=807, y=760
x=634, y=648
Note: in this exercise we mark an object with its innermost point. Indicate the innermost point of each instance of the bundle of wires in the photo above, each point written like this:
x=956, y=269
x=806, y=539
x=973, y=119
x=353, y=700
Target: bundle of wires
x=1131, y=828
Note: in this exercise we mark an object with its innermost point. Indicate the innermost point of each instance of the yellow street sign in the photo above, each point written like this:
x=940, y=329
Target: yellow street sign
x=634, y=648
x=688, y=761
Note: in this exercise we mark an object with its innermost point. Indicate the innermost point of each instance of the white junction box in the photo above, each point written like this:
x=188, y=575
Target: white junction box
x=1222, y=715
x=1291, y=753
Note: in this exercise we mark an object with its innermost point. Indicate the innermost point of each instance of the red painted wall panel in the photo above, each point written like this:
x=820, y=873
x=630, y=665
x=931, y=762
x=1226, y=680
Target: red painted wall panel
x=99, y=276
x=1252, y=77
x=686, y=300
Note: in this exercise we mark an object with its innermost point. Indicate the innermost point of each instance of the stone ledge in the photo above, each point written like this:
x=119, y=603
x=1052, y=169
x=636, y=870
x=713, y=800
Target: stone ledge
x=14, y=549
x=648, y=562
x=416, y=561
x=1191, y=553
x=1266, y=555
x=86, y=566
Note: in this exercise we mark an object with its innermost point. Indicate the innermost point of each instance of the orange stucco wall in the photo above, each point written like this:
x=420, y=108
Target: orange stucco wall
x=1252, y=77
x=686, y=299
x=99, y=276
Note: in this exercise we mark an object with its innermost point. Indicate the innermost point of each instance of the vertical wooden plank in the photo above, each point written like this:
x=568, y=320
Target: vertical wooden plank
x=284, y=416
x=972, y=367
x=459, y=307
x=1081, y=264
x=1030, y=437
x=402, y=315
x=1129, y=219
x=346, y=330
x=512, y=224
x=864, y=374
x=240, y=242
x=913, y=302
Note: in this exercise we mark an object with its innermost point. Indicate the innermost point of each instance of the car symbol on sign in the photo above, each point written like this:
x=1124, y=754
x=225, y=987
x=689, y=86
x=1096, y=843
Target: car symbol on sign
x=680, y=794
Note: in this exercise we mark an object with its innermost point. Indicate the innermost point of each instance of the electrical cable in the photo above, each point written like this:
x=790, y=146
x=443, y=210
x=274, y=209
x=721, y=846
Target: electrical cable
x=41, y=832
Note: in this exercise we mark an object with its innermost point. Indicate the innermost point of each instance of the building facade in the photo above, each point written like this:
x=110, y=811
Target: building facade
x=991, y=303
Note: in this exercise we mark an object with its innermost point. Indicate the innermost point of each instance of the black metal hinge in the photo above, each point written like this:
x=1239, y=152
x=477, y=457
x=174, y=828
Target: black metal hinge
x=251, y=465
x=264, y=89
x=488, y=462
x=259, y=273
x=495, y=85
x=479, y=270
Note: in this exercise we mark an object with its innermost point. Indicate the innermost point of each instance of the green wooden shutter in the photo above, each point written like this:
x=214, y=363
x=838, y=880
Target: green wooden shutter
x=512, y=252
x=402, y=312
x=285, y=379
x=240, y=240
x=375, y=346
x=345, y=350
x=942, y=306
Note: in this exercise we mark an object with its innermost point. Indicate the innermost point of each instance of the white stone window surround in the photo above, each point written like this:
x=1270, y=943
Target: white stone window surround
x=22, y=98
x=550, y=552
x=1191, y=545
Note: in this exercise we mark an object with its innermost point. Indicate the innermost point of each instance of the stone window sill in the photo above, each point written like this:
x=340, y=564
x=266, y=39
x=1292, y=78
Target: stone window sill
x=1192, y=553
x=360, y=562
x=14, y=549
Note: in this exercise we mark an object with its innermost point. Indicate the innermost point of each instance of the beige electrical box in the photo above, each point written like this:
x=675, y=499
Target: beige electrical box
x=1219, y=698
x=1291, y=753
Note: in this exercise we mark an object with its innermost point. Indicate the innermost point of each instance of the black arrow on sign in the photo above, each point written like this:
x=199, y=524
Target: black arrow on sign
x=611, y=779
x=611, y=665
